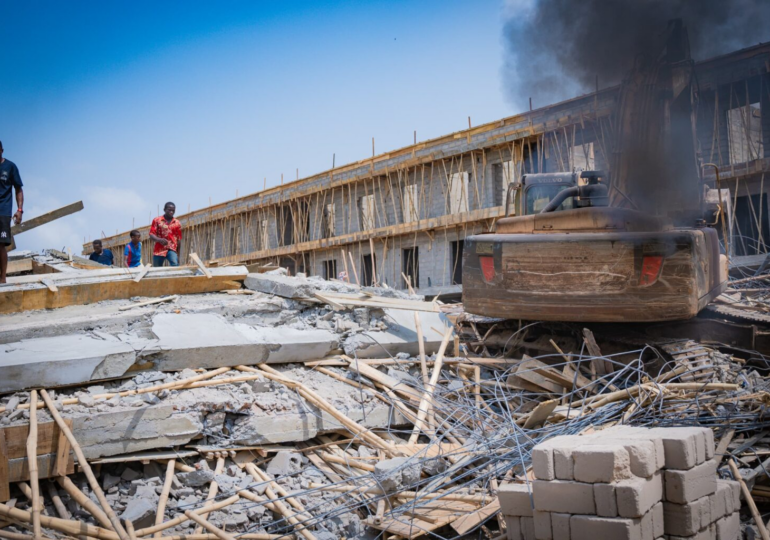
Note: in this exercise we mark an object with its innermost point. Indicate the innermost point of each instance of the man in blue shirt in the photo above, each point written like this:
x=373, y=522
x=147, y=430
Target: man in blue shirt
x=133, y=251
x=102, y=256
x=9, y=180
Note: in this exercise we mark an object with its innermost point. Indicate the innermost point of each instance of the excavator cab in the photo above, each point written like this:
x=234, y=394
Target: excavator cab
x=533, y=193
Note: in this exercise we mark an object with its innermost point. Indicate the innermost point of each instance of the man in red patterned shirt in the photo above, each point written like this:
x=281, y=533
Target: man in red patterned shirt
x=166, y=231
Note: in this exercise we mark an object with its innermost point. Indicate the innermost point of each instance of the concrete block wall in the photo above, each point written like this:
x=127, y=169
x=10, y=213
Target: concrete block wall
x=624, y=483
x=434, y=257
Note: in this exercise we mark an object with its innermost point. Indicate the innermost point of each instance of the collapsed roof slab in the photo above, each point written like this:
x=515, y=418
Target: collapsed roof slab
x=251, y=412
x=62, y=360
x=179, y=341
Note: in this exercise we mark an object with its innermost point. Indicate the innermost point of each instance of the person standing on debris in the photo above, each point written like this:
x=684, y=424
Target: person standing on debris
x=9, y=180
x=133, y=250
x=166, y=231
x=101, y=255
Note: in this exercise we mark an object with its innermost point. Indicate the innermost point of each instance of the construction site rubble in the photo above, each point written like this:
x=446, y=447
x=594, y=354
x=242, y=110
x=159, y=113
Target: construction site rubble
x=489, y=429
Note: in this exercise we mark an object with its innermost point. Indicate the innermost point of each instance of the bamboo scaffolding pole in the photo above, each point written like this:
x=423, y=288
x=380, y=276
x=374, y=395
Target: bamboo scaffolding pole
x=281, y=508
x=86, y=468
x=53, y=493
x=322, y=404
x=85, y=503
x=282, y=493
x=213, y=489
x=204, y=524
x=70, y=527
x=422, y=411
x=32, y=461
x=181, y=518
x=161, y=511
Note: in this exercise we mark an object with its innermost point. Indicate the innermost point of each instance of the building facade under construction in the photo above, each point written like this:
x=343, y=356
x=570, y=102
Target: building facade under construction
x=400, y=218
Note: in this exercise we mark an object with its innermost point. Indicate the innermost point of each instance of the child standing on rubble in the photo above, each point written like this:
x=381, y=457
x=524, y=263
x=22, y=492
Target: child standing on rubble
x=166, y=231
x=133, y=250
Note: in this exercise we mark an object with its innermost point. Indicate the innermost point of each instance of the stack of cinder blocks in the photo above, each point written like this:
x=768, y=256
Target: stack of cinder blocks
x=624, y=483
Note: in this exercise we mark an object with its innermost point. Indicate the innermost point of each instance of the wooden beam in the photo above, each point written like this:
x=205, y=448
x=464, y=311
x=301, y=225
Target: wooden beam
x=72, y=292
x=197, y=260
x=30, y=224
x=17, y=267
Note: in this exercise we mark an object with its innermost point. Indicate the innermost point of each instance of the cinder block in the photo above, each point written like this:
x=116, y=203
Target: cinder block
x=599, y=528
x=735, y=491
x=542, y=462
x=563, y=447
x=512, y=528
x=560, y=526
x=604, y=498
x=542, y=525
x=709, y=533
x=527, y=528
x=637, y=495
x=728, y=527
x=683, y=486
x=710, y=444
x=722, y=500
x=563, y=464
x=564, y=497
x=682, y=446
x=687, y=519
x=658, y=520
x=515, y=500
x=646, y=456
x=605, y=464
x=646, y=525
x=628, y=433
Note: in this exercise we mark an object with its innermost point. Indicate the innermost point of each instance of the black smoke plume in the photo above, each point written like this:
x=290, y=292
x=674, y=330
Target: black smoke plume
x=557, y=48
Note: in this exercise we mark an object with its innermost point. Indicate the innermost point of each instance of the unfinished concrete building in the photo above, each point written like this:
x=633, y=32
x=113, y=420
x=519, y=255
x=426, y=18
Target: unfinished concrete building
x=406, y=213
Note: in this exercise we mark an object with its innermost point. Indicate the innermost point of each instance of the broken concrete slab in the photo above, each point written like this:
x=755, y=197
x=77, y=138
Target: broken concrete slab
x=62, y=360
x=399, y=337
x=280, y=285
x=176, y=342
x=209, y=341
x=133, y=430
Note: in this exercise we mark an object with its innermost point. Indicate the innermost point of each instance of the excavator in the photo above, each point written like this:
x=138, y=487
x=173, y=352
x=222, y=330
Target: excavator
x=625, y=245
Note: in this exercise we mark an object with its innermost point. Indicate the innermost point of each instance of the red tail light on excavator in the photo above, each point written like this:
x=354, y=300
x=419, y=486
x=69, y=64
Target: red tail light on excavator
x=651, y=265
x=487, y=267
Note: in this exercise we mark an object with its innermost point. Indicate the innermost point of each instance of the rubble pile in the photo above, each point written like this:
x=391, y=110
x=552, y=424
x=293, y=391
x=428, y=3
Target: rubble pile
x=402, y=429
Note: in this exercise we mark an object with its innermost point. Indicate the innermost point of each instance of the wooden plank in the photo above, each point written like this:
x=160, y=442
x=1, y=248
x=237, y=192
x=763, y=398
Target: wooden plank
x=172, y=298
x=197, y=260
x=50, y=284
x=467, y=523
x=601, y=365
x=140, y=275
x=18, y=469
x=64, y=460
x=526, y=372
x=17, y=267
x=16, y=436
x=13, y=301
x=5, y=489
x=540, y=414
x=30, y=224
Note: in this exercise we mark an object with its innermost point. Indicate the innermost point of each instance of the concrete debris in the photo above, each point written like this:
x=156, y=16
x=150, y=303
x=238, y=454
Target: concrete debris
x=252, y=395
x=285, y=463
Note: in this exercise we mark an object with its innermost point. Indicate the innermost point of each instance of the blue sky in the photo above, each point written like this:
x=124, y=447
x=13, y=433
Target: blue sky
x=128, y=104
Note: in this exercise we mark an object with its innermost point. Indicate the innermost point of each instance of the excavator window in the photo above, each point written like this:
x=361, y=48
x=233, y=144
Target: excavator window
x=539, y=195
